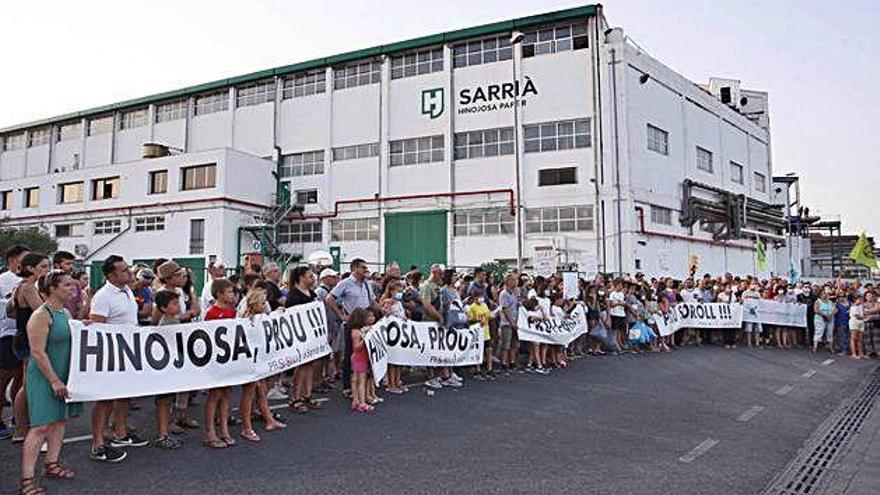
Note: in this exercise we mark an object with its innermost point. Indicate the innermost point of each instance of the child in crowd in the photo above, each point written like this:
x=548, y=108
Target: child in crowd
x=535, y=315
x=217, y=405
x=168, y=303
x=357, y=321
x=254, y=304
x=478, y=312
x=371, y=397
x=857, y=327
x=392, y=305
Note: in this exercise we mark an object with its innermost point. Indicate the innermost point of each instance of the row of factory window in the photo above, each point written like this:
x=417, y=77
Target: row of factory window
x=547, y=136
x=658, y=142
x=469, y=223
x=148, y=223
x=191, y=178
x=497, y=48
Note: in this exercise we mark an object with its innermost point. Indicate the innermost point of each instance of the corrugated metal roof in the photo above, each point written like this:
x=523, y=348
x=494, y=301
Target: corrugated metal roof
x=424, y=41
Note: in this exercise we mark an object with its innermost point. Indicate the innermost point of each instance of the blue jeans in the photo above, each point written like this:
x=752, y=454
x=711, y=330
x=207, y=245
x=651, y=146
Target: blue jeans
x=841, y=337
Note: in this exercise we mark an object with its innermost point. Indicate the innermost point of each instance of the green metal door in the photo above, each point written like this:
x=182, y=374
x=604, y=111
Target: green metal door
x=415, y=238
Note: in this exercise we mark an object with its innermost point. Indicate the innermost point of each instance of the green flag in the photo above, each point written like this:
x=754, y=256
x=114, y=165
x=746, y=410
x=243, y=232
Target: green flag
x=761, y=250
x=863, y=253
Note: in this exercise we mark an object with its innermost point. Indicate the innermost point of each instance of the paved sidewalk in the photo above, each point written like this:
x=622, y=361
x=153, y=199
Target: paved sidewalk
x=857, y=470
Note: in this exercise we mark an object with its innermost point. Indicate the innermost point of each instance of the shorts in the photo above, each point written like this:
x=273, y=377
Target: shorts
x=618, y=323
x=752, y=327
x=8, y=359
x=22, y=351
x=509, y=338
x=335, y=337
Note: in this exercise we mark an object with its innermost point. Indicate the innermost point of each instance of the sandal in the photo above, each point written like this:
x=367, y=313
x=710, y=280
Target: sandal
x=277, y=425
x=299, y=406
x=312, y=403
x=188, y=423
x=229, y=441
x=29, y=486
x=250, y=435
x=57, y=471
x=215, y=443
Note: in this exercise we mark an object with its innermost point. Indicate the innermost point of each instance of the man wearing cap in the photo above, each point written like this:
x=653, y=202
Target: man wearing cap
x=172, y=277
x=352, y=292
x=143, y=294
x=216, y=270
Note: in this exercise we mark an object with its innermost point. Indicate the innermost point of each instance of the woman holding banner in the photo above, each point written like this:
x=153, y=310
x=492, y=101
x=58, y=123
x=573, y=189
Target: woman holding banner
x=49, y=336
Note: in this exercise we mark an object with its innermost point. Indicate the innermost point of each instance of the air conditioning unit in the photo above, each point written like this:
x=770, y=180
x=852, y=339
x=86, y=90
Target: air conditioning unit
x=726, y=90
x=155, y=150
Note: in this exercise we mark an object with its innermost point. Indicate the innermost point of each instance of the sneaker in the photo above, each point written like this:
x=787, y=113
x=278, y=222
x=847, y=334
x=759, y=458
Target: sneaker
x=490, y=375
x=541, y=371
x=434, y=383
x=108, y=454
x=167, y=443
x=5, y=431
x=449, y=382
x=530, y=369
x=129, y=440
x=479, y=377
x=456, y=377
x=276, y=393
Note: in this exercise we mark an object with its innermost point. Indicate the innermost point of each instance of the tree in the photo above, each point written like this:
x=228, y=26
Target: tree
x=32, y=237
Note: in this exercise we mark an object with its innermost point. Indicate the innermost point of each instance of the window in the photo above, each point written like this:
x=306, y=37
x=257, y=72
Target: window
x=100, y=125
x=71, y=192
x=212, y=103
x=658, y=140
x=13, y=142
x=349, y=76
x=199, y=177
x=704, y=160
x=496, y=221
x=254, y=94
x=559, y=219
x=66, y=132
x=555, y=39
x=490, y=142
x=305, y=84
x=736, y=172
x=158, y=182
x=106, y=188
x=149, y=224
x=299, y=164
x=417, y=63
x=661, y=215
x=306, y=196
x=299, y=232
x=482, y=51
x=355, y=229
x=133, y=118
x=38, y=137
x=355, y=152
x=760, y=182
x=197, y=236
x=561, y=135
x=418, y=150
x=31, y=197
x=103, y=227
x=174, y=110
x=70, y=230
x=6, y=200
x=557, y=176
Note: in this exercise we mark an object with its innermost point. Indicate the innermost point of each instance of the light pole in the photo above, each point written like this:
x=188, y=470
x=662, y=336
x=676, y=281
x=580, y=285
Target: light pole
x=516, y=38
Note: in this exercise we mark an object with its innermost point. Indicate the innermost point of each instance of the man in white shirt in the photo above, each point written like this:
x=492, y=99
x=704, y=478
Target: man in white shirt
x=114, y=303
x=10, y=366
x=216, y=271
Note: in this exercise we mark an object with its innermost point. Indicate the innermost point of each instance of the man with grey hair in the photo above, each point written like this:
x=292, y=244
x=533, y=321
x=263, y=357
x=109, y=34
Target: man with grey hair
x=272, y=274
x=432, y=302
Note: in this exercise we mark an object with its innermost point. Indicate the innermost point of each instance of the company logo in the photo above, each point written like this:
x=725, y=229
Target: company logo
x=495, y=96
x=432, y=102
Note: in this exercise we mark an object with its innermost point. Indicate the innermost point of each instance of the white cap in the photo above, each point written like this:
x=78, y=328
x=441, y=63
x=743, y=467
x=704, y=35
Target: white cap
x=327, y=272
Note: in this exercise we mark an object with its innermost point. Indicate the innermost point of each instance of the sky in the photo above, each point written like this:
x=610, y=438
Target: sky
x=817, y=59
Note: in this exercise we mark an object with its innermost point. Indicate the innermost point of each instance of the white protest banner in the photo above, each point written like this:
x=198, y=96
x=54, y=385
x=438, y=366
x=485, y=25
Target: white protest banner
x=544, y=261
x=700, y=315
x=570, y=285
x=423, y=343
x=117, y=361
x=377, y=350
x=774, y=313
x=557, y=331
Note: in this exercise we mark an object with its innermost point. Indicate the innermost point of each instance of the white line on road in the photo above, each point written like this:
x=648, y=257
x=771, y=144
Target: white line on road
x=827, y=362
x=784, y=390
x=751, y=413
x=77, y=439
x=809, y=373
x=699, y=450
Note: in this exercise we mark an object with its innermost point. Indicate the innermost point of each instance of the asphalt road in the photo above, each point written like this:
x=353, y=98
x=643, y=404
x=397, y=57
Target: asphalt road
x=699, y=420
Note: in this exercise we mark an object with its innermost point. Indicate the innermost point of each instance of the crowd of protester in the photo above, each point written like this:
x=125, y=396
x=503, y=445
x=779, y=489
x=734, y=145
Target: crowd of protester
x=40, y=294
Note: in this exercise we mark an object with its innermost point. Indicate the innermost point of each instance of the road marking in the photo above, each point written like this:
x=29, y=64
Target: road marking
x=751, y=413
x=77, y=439
x=784, y=390
x=809, y=373
x=827, y=362
x=699, y=450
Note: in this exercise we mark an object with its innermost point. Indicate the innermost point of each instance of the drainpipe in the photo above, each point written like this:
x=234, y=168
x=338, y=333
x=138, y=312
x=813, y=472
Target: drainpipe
x=597, y=148
x=617, y=161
